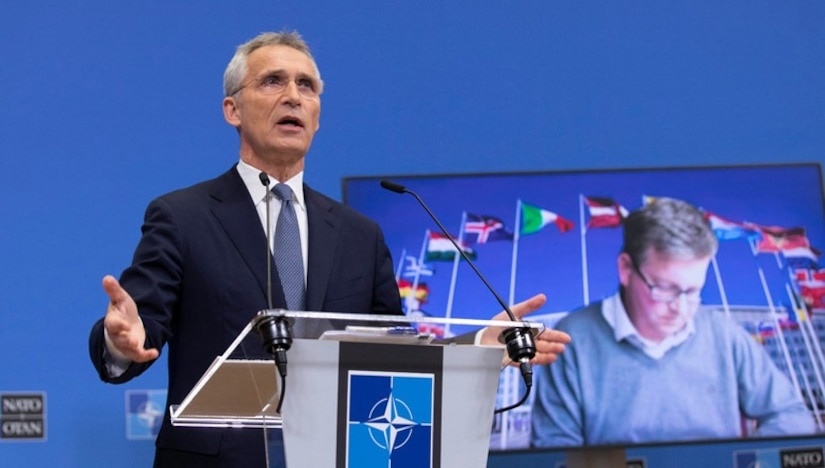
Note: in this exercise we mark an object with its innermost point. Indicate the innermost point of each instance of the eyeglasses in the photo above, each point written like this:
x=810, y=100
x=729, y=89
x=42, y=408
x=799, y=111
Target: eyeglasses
x=276, y=83
x=666, y=293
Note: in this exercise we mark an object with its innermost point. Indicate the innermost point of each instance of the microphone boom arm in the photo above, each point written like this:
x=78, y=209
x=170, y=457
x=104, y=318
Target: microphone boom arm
x=519, y=340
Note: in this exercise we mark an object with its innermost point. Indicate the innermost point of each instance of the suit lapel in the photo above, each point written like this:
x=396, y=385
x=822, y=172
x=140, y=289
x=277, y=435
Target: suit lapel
x=324, y=227
x=235, y=211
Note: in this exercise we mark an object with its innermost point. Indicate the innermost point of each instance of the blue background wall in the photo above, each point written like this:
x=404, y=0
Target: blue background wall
x=106, y=105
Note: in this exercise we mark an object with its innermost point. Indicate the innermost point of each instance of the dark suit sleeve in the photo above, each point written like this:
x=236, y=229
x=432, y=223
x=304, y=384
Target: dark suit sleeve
x=153, y=280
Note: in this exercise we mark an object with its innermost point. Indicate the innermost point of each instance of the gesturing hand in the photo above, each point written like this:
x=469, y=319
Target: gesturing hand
x=123, y=324
x=549, y=343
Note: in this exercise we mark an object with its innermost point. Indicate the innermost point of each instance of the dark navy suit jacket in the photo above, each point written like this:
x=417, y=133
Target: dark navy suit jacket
x=199, y=275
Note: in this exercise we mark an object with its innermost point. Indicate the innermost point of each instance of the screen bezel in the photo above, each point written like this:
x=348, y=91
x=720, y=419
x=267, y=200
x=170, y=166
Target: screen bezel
x=813, y=198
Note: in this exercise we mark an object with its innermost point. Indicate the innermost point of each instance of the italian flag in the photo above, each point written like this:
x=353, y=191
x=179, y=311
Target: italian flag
x=533, y=219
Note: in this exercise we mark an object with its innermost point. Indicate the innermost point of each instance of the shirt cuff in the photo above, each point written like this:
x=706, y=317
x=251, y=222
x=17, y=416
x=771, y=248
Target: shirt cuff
x=116, y=362
x=477, y=339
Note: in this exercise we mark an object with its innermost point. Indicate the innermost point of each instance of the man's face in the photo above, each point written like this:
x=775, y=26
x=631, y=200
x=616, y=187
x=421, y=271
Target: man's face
x=276, y=122
x=677, y=278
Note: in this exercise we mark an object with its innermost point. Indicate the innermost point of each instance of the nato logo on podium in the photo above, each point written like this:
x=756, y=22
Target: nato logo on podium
x=390, y=418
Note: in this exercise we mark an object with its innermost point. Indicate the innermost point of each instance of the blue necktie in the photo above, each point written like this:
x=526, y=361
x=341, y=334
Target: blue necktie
x=287, y=250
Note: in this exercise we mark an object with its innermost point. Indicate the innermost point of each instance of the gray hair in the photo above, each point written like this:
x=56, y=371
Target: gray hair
x=236, y=70
x=673, y=228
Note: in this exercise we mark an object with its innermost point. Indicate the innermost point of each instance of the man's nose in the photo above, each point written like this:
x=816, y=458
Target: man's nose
x=680, y=303
x=291, y=92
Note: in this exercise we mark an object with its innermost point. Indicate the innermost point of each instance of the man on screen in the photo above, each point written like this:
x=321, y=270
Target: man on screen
x=199, y=272
x=645, y=366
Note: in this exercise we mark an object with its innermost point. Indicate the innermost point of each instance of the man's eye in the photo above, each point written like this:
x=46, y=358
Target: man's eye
x=669, y=291
x=272, y=81
x=306, y=83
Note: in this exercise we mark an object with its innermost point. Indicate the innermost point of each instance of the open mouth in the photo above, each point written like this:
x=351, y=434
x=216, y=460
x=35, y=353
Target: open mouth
x=290, y=121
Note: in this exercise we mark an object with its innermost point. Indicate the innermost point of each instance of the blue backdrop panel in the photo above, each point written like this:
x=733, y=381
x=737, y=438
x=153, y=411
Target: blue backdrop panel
x=107, y=105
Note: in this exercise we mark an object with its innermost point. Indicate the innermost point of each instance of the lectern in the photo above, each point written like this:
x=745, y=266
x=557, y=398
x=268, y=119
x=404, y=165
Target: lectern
x=367, y=393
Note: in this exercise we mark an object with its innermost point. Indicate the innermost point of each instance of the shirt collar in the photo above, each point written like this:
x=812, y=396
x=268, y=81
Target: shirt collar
x=616, y=316
x=252, y=181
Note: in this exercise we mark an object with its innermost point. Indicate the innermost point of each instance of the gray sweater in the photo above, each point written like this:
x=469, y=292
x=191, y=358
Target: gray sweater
x=602, y=392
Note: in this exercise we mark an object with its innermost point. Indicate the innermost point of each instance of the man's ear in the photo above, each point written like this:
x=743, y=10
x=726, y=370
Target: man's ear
x=230, y=112
x=624, y=265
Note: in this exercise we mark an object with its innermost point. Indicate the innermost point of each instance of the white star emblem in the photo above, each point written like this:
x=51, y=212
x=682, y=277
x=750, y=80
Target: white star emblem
x=393, y=425
x=148, y=413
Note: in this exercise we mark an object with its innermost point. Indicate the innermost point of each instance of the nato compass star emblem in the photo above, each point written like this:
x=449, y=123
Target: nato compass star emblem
x=393, y=425
x=144, y=413
x=390, y=419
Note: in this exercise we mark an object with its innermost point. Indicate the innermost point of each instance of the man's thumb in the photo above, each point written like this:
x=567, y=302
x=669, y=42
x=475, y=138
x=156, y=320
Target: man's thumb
x=112, y=288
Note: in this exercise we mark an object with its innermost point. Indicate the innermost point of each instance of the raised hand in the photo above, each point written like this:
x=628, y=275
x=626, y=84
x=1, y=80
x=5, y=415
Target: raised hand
x=123, y=324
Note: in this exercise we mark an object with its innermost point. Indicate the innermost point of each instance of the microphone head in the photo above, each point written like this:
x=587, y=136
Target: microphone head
x=392, y=186
x=264, y=178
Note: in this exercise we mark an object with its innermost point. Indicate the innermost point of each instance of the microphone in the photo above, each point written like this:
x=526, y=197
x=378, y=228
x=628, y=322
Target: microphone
x=265, y=181
x=274, y=331
x=519, y=340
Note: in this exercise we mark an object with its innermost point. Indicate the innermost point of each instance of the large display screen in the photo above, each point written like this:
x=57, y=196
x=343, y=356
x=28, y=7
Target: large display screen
x=559, y=233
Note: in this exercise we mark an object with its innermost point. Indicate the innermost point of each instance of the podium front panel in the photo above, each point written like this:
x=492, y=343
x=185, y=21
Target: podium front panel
x=469, y=399
x=364, y=396
x=359, y=404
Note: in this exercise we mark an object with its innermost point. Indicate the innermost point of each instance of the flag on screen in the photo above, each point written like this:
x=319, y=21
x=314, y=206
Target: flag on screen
x=762, y=331
x=807, y=275
x=604, y=212
x=725, y=229
x=765, y=329
x=483, y=229
x=422, y=291
x=802, y=257
x=533, y=219
x=797, y=314
x=647, y=199
x=416, y=268
x=801, y=274
x=813, y=294
x=776, y=239
x=440, y=249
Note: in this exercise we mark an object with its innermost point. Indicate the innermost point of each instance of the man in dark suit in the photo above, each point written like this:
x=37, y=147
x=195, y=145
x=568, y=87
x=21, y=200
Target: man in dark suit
x=199, y=272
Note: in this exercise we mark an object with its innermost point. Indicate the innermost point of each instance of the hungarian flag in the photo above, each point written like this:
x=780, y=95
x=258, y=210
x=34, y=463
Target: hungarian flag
x=483, y=229
x=776, y=239
x=533, y=219
x=439, y=248
x=604, y=212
